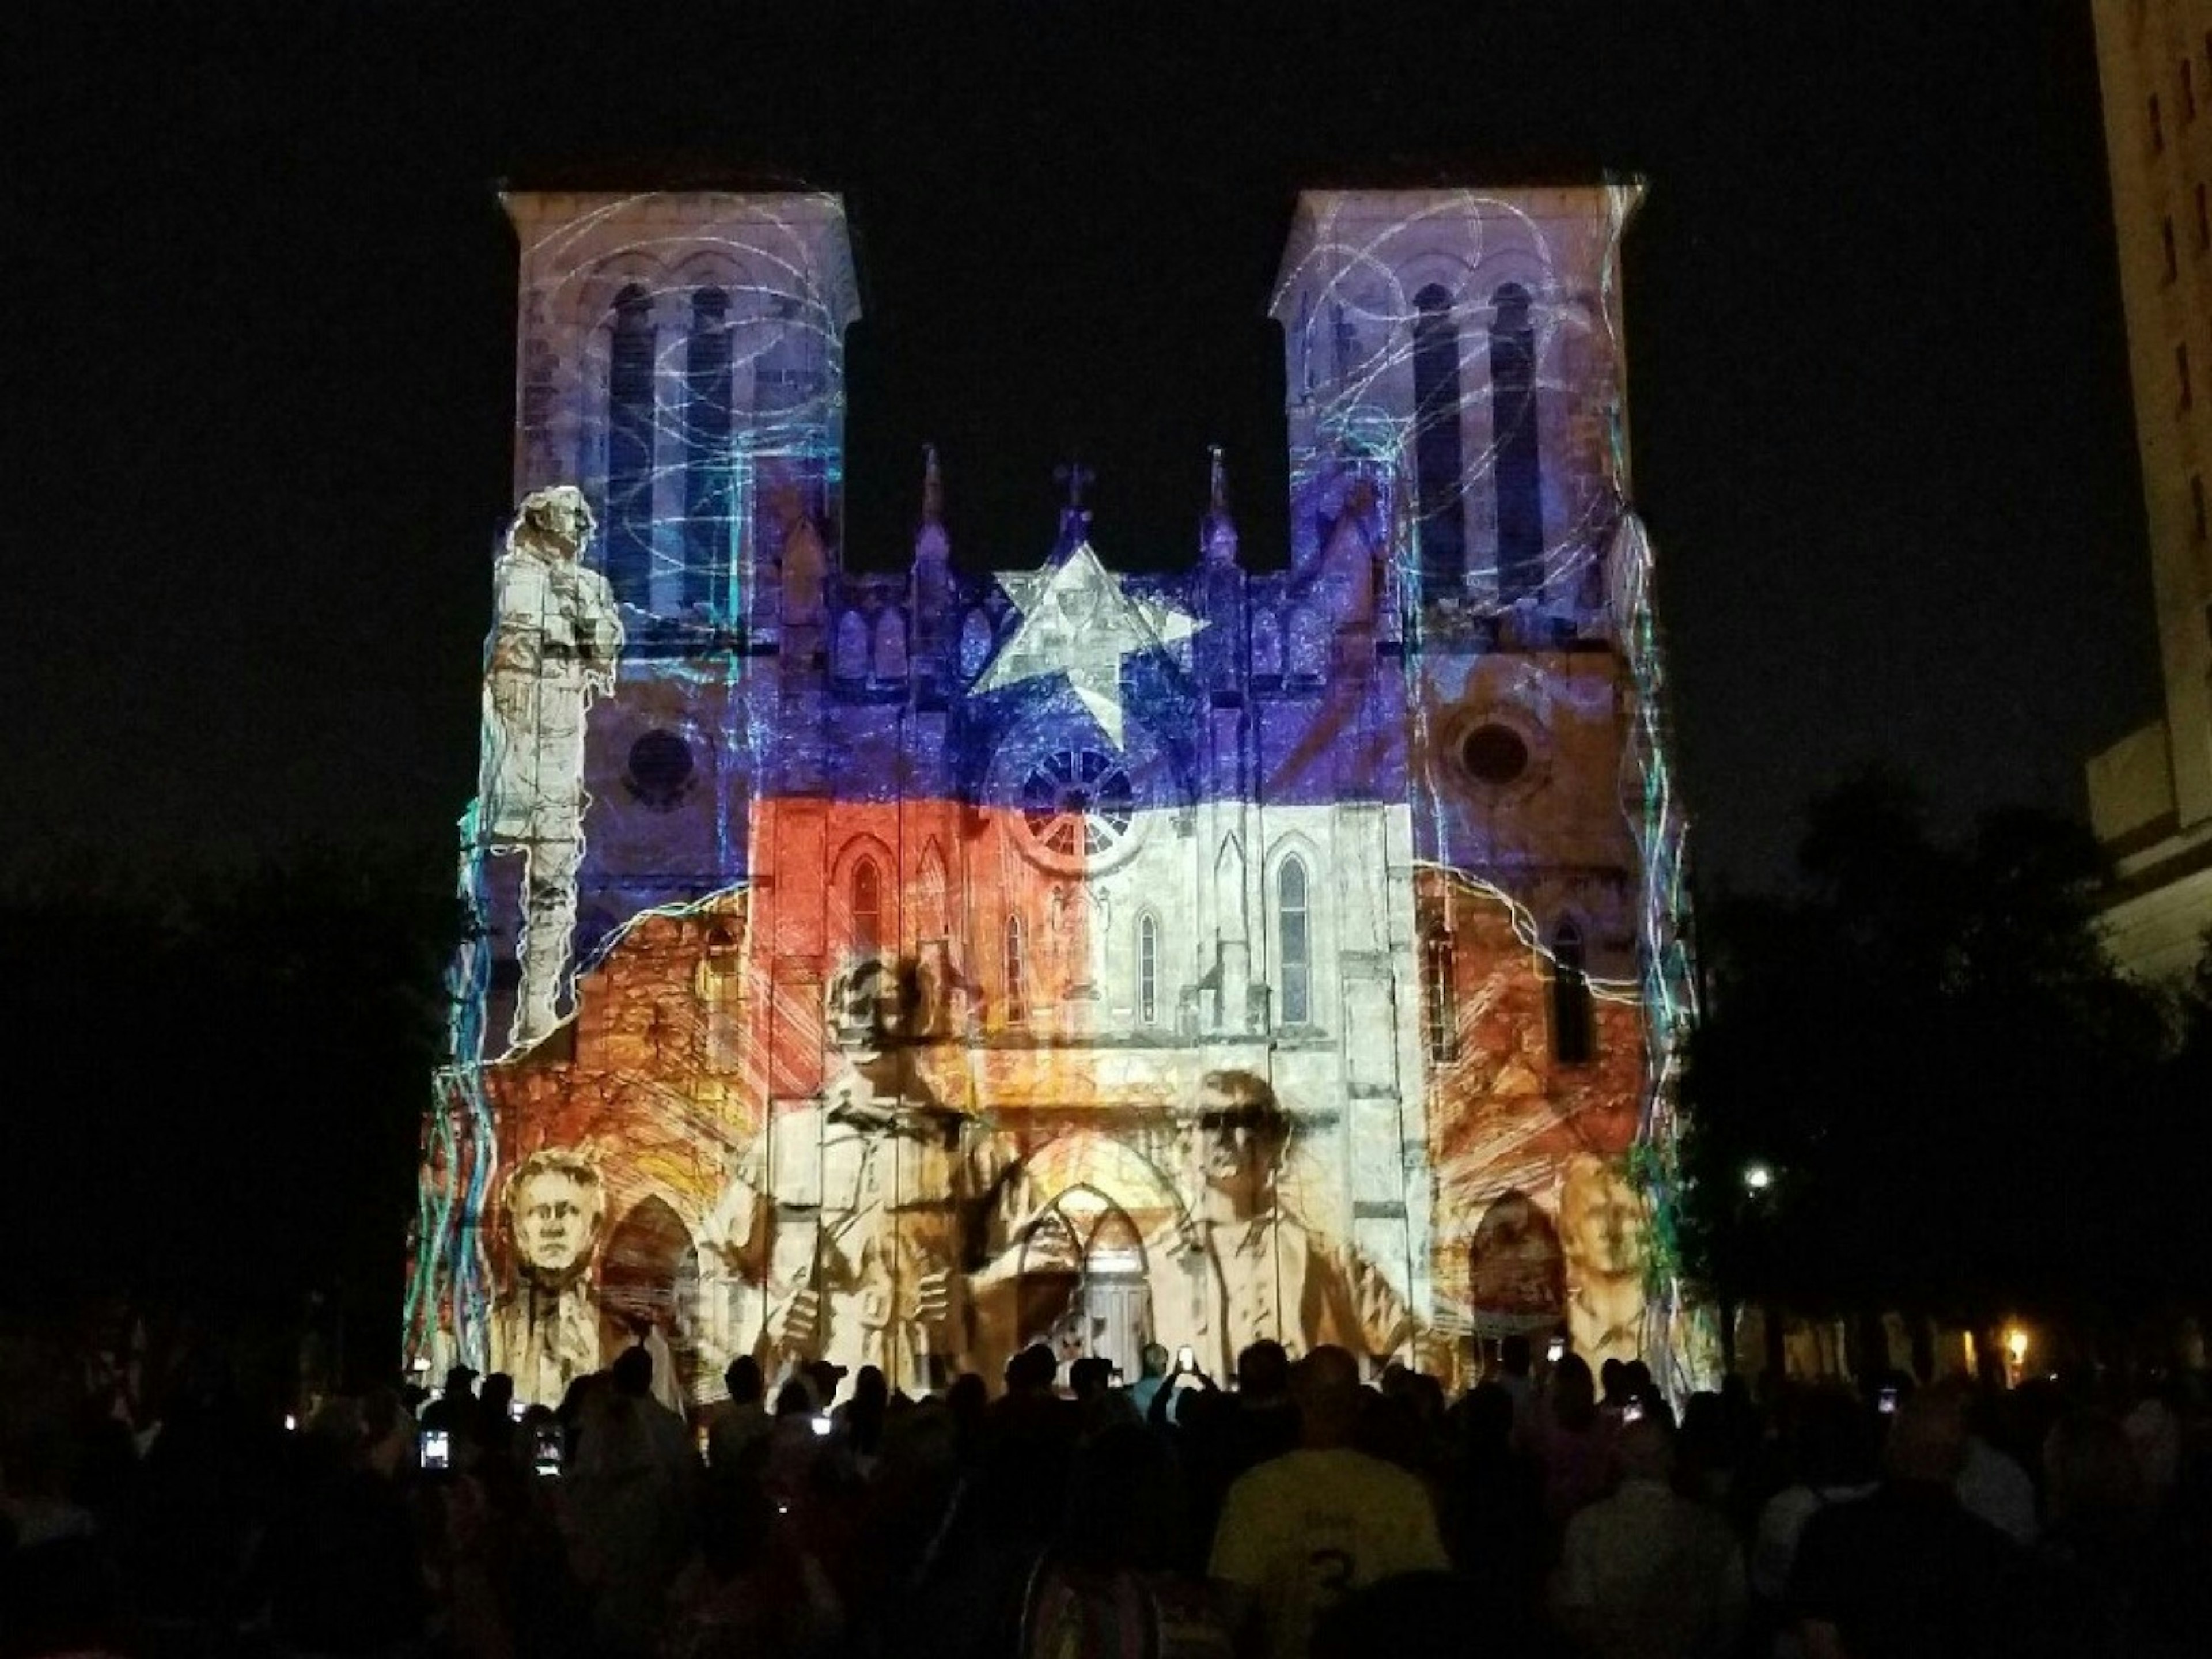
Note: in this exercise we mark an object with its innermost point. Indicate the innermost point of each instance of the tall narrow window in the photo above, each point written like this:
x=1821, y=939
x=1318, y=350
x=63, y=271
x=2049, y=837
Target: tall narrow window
x=1437, y=464
x=2157, y=128
x=2188, y=90
x=1294, y=930
x=1515, y=464
x=629, y=449
x=710, y=513
x=1018, y=973
x=1148, y=970
x=2166, y=240
x=1573, y=1028
x=2203, y=221
x=867, y=907
x=2181, y=375
x=2197, y=525
x=1437, y=985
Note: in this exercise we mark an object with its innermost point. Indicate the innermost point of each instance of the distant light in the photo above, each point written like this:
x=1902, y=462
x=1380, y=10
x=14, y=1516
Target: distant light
x=1757, y=1176
x=291, y=1423
x=2015, y=1341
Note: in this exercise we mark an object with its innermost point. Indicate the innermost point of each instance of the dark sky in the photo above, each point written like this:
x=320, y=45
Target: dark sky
x=258, y=360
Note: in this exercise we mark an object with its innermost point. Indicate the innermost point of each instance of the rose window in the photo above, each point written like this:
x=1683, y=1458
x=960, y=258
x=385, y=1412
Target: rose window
x=1077, y=802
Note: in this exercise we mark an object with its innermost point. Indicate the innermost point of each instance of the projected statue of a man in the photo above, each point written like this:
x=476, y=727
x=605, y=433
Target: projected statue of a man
x=869, y=1226
x=1243, y=1269
x=545, y=1330
x=555, y=640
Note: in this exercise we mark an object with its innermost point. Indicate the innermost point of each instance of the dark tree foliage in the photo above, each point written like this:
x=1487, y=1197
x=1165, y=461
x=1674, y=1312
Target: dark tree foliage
x=1966, y=1109
x=218, y=1090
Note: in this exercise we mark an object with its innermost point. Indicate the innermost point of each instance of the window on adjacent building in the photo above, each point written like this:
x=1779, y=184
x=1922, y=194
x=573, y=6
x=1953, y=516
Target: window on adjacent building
x=2181, y=375
x=2166, y=240
x=710, y=511
x=2203, y=221
x=1574, y=1037
x=1437, y=464
x=1436, y=986
x=2188, y=90
x=2157, y=128
x=2196, y=506
x=1018, y=973
x=867, y=907
x=629, y=449
x=1148, y=970
x=1294, y=931
x=1516, y=464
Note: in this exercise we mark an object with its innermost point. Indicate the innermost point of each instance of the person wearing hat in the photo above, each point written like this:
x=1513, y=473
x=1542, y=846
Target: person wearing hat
x=868, y=1226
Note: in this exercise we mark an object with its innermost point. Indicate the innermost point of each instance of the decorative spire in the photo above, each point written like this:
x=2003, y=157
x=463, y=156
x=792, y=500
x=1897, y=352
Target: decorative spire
x=1217, y=532
x=933, y=488
x=1074, y=518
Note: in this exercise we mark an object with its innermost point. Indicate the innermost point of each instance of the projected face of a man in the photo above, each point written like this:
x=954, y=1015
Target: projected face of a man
x=554, y=1214
x=563, y=520
x=876, y=1012
x=1234, y=1143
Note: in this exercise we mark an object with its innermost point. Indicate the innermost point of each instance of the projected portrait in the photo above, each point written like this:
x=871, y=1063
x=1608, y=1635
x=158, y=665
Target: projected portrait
x=1601, y=1228
x=870, y=1226
x=555, y=639
x=1244, y=1268
x=545, y=1330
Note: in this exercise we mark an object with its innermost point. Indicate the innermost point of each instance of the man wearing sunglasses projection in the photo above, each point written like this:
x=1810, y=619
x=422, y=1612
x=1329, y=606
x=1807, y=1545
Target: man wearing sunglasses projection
x=1244, y=1269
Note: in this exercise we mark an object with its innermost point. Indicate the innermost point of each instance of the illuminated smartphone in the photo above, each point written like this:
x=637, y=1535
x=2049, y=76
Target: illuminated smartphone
x=1632, y=1411
x=546, y=1449
x=1186, y=1359
x=1886, y=1402
x=436, y=1446
x=821, y=1424
x=1558, y=1351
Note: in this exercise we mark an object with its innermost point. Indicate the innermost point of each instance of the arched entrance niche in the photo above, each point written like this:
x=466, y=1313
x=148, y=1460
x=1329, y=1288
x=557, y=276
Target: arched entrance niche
x=1088, y=1245
x=650, y=1273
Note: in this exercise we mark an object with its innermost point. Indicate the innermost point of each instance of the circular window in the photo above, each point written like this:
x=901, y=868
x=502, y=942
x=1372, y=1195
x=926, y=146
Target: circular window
x=1077, y=803
x=660, y=767
x=1494, y=754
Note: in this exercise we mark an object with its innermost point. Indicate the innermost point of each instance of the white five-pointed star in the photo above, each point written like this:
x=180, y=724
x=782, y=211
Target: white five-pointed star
x=1076, y=621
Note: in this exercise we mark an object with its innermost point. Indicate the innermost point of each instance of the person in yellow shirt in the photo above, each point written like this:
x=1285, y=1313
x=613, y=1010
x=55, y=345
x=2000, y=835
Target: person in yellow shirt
x=1304, y=1530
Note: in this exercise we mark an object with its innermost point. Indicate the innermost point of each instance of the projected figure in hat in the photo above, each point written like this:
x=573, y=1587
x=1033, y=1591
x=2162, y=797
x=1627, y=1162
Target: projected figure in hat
x=555, y=642
x=545, y=1330
x=869, y=1226
x=1243, y=1269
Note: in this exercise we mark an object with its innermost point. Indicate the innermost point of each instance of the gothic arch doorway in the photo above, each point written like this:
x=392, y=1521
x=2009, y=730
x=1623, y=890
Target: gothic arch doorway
x=650, y=1273
x=1085, y=1246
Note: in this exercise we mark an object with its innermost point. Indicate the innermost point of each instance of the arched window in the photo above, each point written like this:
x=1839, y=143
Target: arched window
x=1436, y=994
x=1018, y=973
x=629, y=449
x=1148, y=969
x=867, y=907
x=710, y=482
x=1294, y=931
x=1437, y=464
x=1515, y=462
x=1574, y=1034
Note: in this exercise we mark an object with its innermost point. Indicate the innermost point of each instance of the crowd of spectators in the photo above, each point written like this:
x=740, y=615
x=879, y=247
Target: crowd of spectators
x=1293, y=1510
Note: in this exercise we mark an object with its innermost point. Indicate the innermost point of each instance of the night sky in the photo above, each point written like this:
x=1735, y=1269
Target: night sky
x=259, y=362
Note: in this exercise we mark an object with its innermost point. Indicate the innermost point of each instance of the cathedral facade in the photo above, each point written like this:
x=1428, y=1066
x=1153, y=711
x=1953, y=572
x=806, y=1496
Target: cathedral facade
x=903, y=970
